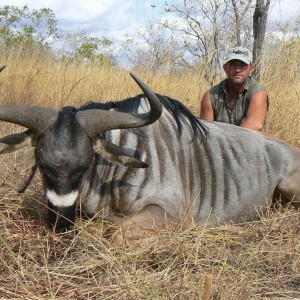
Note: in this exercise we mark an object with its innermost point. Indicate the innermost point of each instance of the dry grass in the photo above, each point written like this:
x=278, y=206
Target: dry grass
x=259, y=260
x=254, y=261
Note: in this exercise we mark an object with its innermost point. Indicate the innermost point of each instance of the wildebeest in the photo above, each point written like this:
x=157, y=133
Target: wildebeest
x=176, y=170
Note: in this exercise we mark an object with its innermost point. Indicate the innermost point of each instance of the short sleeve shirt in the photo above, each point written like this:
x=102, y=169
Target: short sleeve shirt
x=218, y=97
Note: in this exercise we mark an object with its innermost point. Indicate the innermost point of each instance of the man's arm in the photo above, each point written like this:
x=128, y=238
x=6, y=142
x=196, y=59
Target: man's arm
x=207, y=112
x=257, y=111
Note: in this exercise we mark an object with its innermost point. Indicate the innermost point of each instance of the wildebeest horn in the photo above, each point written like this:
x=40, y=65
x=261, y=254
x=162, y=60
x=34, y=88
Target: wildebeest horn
x=36, y=118
x=95, y=121
x=2, y=68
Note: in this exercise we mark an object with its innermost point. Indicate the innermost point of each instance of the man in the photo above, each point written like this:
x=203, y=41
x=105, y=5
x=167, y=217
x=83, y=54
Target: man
x=239, y=99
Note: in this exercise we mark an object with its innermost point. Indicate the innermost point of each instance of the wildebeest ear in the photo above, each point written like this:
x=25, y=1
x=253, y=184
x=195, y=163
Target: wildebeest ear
x=14, y=142
x=117, y=154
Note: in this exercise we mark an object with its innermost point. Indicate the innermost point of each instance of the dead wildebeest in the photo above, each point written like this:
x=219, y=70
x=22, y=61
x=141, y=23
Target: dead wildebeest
x=173, y=169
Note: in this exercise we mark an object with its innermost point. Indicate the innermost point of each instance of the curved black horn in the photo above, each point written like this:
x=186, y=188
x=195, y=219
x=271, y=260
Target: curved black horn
x=95, y=121
x=36, y=118
x=2, y=68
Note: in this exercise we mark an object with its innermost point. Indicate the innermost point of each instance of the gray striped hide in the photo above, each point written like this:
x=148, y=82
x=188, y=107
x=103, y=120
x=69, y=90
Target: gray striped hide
x=177, y=170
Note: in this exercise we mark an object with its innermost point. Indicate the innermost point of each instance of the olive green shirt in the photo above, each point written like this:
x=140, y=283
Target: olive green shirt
x=218, y=97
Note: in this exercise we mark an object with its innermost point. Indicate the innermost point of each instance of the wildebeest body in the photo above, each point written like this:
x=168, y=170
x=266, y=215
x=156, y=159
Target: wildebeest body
x=204, y=172
x=225, y=177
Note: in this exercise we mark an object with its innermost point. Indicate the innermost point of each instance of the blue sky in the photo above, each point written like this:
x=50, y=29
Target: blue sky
x=115, y=18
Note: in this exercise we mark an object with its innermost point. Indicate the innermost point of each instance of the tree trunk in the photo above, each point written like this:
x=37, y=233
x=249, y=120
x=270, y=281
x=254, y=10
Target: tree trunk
x=237, y=23
x=259, y=29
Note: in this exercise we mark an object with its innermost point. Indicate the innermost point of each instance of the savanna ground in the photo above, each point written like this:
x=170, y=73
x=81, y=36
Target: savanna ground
x=259, y=260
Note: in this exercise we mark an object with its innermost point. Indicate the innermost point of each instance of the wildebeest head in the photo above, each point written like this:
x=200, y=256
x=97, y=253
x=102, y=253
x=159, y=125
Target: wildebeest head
x=64, y=150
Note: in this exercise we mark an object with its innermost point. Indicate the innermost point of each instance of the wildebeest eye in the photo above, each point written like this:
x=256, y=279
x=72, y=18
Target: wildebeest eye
x=50, y=175
x=77, y=175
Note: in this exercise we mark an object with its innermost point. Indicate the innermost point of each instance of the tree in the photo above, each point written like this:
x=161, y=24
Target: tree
x=207, y=28
x=240, y=9
x=83, y=47
x=31, y=28
x=152, y=49
x=259, y=29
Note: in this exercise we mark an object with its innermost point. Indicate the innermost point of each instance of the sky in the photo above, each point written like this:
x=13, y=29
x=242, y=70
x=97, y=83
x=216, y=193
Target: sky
x=110, y=18
x=117, y=18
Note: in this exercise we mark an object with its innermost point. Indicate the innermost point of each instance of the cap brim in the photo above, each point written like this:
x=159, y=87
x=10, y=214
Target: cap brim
x=238, y=57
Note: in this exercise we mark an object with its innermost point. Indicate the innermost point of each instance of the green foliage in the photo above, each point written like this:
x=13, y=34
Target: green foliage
x=29, y=28
x=83, y=47
x=88, y=48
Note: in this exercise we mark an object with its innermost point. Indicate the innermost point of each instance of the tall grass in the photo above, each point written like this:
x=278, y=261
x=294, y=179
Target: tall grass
x=281, y=77
x=259, y=260
x=39, y=79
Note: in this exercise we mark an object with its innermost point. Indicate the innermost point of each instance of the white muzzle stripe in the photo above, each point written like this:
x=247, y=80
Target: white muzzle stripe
x=62, y=200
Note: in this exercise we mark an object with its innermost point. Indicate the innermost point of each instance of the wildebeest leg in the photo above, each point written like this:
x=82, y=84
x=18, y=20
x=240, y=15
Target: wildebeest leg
x=288, y=193
x=143, y=224
x=289, y=186
x=26, y=183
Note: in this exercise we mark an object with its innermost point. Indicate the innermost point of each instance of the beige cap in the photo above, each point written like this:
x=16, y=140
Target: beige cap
x=239, y=53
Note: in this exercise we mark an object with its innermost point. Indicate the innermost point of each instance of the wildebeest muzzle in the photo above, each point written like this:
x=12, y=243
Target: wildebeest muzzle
x=61, y=219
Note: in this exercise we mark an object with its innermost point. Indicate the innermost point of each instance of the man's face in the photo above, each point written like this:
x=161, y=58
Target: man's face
x=237, y=71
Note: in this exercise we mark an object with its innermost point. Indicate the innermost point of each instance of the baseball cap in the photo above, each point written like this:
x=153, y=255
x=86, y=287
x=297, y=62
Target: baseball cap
x=239, y=53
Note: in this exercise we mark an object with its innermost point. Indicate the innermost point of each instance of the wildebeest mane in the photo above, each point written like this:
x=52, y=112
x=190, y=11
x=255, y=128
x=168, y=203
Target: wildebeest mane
x=131, y=105
x=178, y=111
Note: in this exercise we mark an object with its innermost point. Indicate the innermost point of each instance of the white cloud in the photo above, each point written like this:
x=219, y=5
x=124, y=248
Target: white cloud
x=115, y=18
x=99, y=18
x=284, y=10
